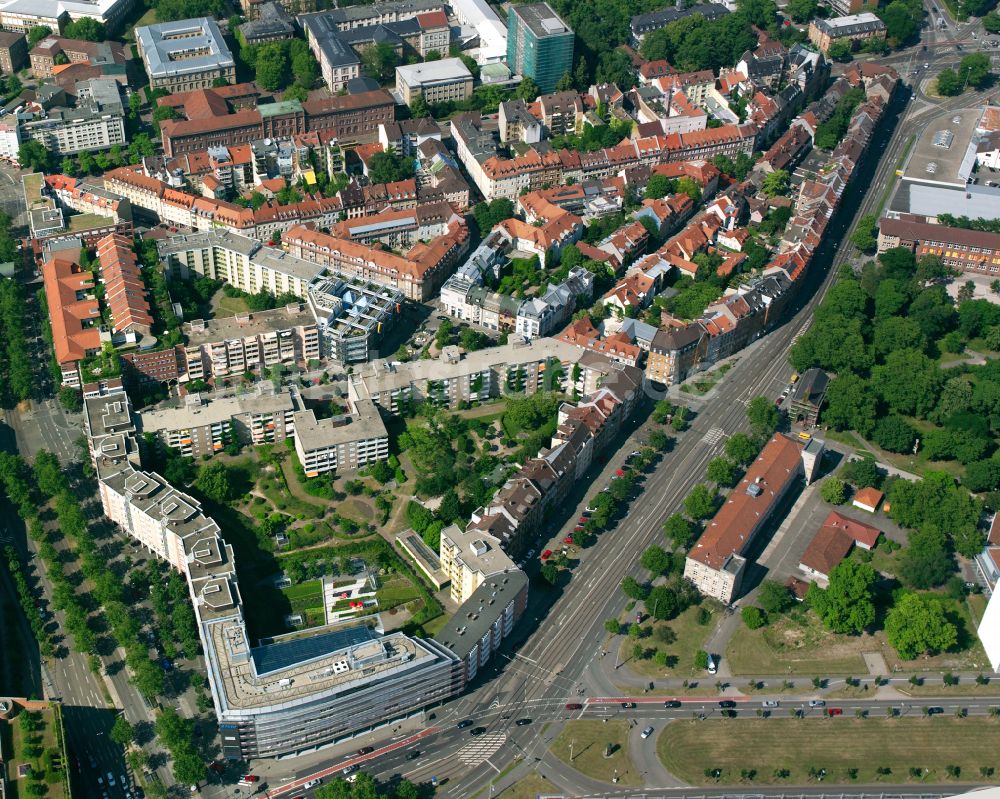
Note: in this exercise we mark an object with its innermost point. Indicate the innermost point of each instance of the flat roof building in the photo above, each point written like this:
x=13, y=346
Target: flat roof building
x=539, y=44
x=342, y=442
x=469, y=557
x=853, y=28
x=445, y=80
x=185, y=55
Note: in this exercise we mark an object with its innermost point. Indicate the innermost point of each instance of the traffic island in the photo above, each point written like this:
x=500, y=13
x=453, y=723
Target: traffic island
x=837, y=751
x=583, y=745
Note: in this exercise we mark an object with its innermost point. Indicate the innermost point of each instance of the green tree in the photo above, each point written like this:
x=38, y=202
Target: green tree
x=659, y=186
x=909, y=382
x=388, y=167
x=527, y=90
x=763, y=416
x=834, y=491
x=122, y=732
x=774, y=597
x=918, y=625
x=33, y=155
x=722, y=471
x=655, y=560
x=700, y=503
x=550, y=572
x=841, y=50
x=864, y=234
x=991, y=21
x=982, y=475
x=679, y=531
x=926, y=561
x=633, y=589
x=86, y=28
x=271, y=66
x=847, y=604
x=663, y=603
x=380, y=62
x=776, y=183
x=753, y=617
x=801, y=10
x=893, y=433
x=974, y=70
x=949, y=83
x=216, y=482
x=37, y=33
x=901, y=21
x=850, y=404
x=740, y=449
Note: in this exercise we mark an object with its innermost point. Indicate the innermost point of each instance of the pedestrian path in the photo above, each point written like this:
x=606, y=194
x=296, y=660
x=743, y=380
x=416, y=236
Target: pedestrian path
x=482, y=748
x=713, y=436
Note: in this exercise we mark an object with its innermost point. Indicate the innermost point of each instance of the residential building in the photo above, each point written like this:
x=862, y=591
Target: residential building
x=674, y=353
x=324, y=687
x=74, y=314
x=539, y=44
x=477, y=630
x=253, y=342
x=399, y=228
x=66, y=131
x=469, y=559
x=418, y=274
x=342, y=442
x=77, y=51
x=848, y=7
x=124, y=288
x=338, y=63
x=643, y=24
x=13, y=51
x=853, y=28
x=200, y=425
x=441, y=81
x=185, y=55
x=716, y=564
x=517, y=123
x=965, y=250
x=833, y=542
x=271, y=24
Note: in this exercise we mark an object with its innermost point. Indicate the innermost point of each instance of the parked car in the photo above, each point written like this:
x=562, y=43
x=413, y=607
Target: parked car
x=816, y=703
x=246, y=779
x=546, y=554
x=646, y=733
x=311, y=784
x=568, y=539
x=835, y=711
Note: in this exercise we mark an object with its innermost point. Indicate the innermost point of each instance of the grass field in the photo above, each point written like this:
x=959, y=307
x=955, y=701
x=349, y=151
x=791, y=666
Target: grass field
x=47, y=764
x=589, y=739
x=397, y=591
x=690, y=637
x=528, y=788
x=229, y=306
x=850, y=750
x=306, y=597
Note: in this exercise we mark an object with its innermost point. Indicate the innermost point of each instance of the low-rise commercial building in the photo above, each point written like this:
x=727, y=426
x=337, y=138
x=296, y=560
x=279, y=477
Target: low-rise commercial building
x=716, y=564
x=853, y=28
x=972, y=251
x=185, y=55
x=441, y=81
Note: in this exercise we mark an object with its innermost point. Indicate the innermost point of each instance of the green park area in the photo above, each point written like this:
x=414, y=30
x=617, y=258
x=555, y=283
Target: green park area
x=530, y=787
x=668, y=647
x=837, y=751
x=584, y=744
x=36, y=767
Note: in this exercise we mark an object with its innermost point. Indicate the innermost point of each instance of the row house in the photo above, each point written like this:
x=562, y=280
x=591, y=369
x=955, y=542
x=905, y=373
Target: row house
x=398, y=228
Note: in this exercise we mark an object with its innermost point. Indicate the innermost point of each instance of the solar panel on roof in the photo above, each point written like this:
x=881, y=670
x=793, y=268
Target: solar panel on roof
x=274, y=657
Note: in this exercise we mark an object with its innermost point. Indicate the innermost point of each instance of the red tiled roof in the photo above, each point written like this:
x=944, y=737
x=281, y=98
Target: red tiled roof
x=828, y=548
x=74, y=321
x=869, y=497
x=858, y=531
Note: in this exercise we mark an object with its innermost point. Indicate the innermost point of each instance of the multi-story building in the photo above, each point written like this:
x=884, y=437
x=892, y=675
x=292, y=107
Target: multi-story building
x=485, y=619
x=253, y=342
x=77, y=51
x=539, y=44
x=441, y=81
x=674, y=353
x=399, y=228
x=848, y=7
x=23, y=15
x=965, y=250
x=200, y=425
x=185, y=55
x=74, y=313
x=418, y=275
x=124, y=289
x=338, y=63
x=643, y=24
x=854, y=28
x=469, y=559
x=341, y=442
x=237, y=260
x=716, y=564
x=517, y=123
x=289, y=695
x=272, y=23
x=87, y=128
x=353, y=318
x=13, y=51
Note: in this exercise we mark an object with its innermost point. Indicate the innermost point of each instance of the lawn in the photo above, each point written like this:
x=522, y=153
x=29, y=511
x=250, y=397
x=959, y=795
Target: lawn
x=589, y=739
x=691, y=637
x=850, y=750
x=798, y=644
x=397, y=591
x=229, y=306
x=528, y=788
x=42, y=750
x=305, y=597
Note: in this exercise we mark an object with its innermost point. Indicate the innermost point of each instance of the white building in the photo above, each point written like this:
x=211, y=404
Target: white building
x=492, y=32
x=185, y=55
x=437, y=81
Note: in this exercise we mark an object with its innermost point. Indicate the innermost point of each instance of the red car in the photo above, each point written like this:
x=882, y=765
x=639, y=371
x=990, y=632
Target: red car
x=619, y=473
x=574, y=706
x=568, y=539
x=835, y=711
x=546, y=554
x=582, y=520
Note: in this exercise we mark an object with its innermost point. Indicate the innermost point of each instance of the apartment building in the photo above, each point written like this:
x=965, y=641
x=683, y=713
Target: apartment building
x=965, y=250
x=199, y=425
x=345, y=442
x=517, y=123
x=716, y=564
x=66, y=131
x=253, y=342
x=397, y=229
x=856, y=28
x=442, y=81
x=13, y=51
x=79, y=194
x=469, y=559
x=417, y=275
x=185, y=55
x=674, y=353
x=272, y=23
x=124, y=288
x=74, y=313
x=642, y=25
x=338, y=63
x=242, y=262
x=44, y=55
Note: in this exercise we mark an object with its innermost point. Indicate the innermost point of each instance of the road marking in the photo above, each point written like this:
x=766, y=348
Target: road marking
x=713, y=436
x=480, y=750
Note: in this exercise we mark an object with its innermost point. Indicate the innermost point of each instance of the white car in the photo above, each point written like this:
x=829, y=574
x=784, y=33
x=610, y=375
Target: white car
x=111, y=779
x=712, y=666
x=770, y=703
x=647, y=732
x=816, y=703
x=311, y=784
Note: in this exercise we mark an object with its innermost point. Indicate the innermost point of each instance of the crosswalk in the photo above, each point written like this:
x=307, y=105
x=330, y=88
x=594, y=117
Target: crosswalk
x=713, y=436
x=482, y=748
